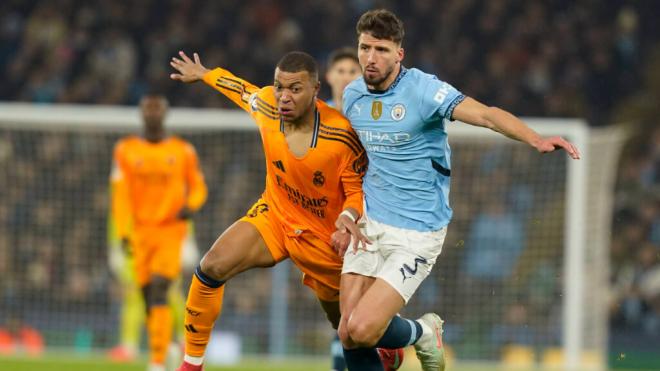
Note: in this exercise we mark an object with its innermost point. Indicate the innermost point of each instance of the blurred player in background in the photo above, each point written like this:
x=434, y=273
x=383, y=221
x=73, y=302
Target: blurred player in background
x=343, y=67
x=313, y=185
x=157, y=186
x=400, y=116
x=132, y=311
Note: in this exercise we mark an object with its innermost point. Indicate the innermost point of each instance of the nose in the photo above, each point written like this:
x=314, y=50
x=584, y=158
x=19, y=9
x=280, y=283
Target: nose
x=285, y=97
x=371, y=56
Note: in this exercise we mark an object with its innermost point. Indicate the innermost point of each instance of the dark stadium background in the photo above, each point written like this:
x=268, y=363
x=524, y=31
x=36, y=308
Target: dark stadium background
x=597, y=60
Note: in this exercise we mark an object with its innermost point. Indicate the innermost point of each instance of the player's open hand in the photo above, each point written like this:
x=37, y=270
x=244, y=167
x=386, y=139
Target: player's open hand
x=340, y=241
x=189, y=70
x=545, y=145
x=346, y=226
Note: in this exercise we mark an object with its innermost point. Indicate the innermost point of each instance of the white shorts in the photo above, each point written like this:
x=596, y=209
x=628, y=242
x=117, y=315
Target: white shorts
x=401, y=257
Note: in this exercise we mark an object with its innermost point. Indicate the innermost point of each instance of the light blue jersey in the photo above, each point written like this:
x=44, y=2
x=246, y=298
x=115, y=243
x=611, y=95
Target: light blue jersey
x=403, y=132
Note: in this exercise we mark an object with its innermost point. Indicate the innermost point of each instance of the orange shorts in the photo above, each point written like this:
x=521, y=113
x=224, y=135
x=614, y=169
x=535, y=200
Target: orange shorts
x=320, y=265
x=157, y=251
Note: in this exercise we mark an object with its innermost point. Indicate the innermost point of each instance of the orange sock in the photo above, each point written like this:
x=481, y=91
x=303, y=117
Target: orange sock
x=159, y=327
x=202, y=309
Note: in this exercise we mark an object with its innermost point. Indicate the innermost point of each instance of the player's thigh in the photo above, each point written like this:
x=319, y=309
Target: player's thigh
x=165, y=260
x=374, y=310
x=320, y=264
x=143, y=249
x=353, y=287
x=238, y=249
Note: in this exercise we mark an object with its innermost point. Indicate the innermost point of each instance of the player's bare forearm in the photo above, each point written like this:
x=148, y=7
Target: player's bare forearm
x=511, y=126
x=473, y=112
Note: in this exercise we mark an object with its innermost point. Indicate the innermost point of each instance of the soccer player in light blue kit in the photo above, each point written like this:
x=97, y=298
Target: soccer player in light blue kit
x=400, y=116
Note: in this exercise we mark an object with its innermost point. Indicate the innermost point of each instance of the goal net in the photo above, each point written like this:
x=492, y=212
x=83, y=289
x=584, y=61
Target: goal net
x=524, y=266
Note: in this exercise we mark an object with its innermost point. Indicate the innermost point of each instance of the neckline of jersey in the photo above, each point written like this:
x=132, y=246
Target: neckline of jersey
x=165, y=139
x=402, y=72
x=315, y=136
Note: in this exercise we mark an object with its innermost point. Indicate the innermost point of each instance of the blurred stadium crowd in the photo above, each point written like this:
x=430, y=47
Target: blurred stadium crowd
x=535, y=58
x=635, y=247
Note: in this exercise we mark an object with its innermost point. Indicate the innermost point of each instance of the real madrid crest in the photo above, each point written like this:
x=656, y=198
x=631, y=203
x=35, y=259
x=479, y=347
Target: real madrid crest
x=319, y=179
x=398, y=112
x=376, y=109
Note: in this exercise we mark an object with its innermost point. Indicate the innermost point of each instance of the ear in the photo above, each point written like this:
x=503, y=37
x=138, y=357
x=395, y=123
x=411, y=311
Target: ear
x=401, y=54
x=317, y=87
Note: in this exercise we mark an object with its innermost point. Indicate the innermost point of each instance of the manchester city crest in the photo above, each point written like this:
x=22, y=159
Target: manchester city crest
x=398, y=112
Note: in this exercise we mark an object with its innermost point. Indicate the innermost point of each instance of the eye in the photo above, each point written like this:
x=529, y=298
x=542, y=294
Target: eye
x=295, y=90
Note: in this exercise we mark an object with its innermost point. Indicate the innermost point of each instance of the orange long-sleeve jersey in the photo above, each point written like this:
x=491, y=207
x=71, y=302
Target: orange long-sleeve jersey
x=309, y=192
x=152, y=182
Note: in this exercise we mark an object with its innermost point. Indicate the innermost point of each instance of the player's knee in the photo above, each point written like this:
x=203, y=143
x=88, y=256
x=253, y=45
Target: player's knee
x=157, y=294
x=362, y=333
x=344, y=337
x=215, y=266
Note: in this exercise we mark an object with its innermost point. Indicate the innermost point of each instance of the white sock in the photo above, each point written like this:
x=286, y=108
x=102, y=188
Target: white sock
x=426, y=330
x=195, y=361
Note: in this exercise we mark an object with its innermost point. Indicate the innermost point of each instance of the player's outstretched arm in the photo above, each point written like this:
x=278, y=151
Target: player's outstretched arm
x=233, y=87
x=473, y=112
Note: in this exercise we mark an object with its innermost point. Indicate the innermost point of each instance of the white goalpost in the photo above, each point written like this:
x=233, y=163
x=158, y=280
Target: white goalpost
x=525, y=262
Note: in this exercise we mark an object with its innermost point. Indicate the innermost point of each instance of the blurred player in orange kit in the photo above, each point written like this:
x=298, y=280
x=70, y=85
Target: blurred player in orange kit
x=157, y=186
x=313, y=186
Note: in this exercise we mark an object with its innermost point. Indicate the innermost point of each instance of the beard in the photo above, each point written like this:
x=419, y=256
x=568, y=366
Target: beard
x=377, y=80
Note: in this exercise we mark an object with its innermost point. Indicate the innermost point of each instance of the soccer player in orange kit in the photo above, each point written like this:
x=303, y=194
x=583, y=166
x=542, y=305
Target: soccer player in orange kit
x=313, y=186
x=157, y=186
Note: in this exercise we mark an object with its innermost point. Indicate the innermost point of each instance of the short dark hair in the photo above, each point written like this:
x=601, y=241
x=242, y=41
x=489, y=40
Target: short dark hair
x=299, y=61
x=158, y=96
x=341, y=54
x=381, y=24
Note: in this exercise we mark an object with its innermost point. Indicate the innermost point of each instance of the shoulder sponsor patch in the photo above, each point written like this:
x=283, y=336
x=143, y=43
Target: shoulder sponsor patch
x=442, y=93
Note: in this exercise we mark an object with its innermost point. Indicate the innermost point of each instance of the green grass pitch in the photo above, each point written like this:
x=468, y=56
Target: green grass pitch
x=64, y=362
x=72, y=362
